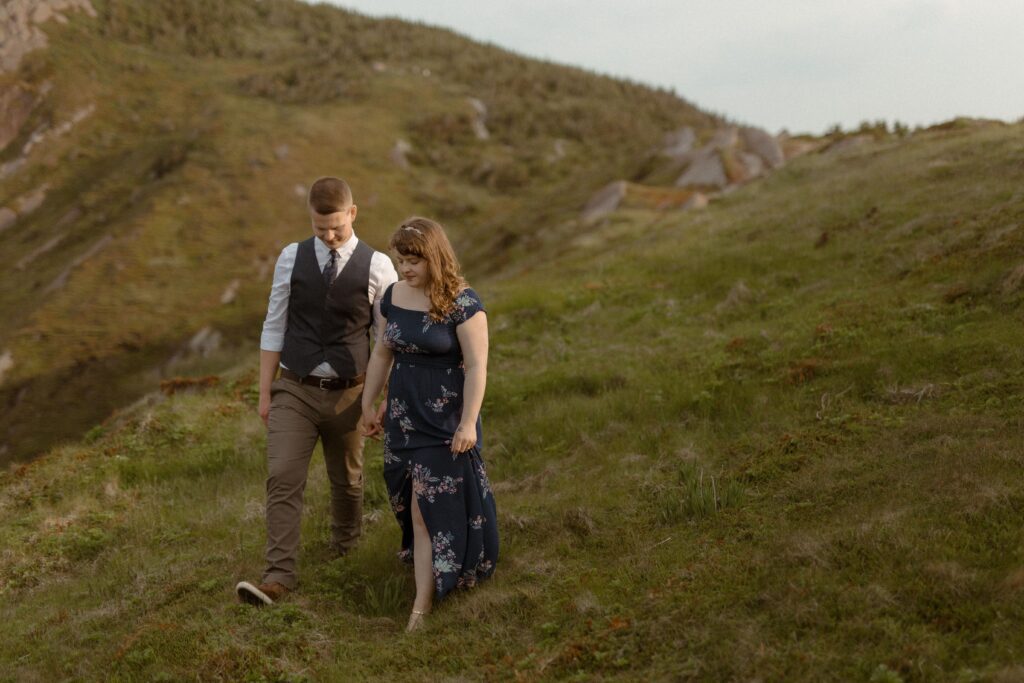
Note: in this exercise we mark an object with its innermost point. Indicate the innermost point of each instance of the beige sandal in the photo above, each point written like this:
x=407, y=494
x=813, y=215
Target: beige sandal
x=416, y=621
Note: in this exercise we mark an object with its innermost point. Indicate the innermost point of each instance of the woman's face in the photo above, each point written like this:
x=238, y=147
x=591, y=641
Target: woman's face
x=414, y=269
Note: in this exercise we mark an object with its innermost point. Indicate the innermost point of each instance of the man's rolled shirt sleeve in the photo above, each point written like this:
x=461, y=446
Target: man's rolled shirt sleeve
x=276, y=323
x=382, y=276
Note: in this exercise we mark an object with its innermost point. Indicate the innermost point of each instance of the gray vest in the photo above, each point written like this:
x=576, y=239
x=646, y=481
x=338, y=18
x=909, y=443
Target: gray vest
x=329, y=324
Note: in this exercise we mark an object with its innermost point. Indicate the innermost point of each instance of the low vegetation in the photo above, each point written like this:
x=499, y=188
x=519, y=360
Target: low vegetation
x=778, y=439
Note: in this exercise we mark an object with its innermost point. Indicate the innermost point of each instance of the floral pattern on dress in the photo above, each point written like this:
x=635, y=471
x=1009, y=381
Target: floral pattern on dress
x=462, y=302
x=397, y=504
x=389, y=457
x=481, y=473
x=438, y=404
x=426, y=485
x=482, y=569
x=445, y=561
x=393, y=339
x=399, y=411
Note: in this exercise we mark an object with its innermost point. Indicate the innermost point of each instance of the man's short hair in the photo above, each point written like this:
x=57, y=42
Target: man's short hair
x=330, y=195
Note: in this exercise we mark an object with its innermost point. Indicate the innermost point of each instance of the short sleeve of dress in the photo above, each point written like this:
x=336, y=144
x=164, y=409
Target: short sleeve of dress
x=467, y=304
x=385, y=301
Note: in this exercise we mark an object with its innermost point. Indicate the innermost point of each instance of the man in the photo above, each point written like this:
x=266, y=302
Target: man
x=324, y=301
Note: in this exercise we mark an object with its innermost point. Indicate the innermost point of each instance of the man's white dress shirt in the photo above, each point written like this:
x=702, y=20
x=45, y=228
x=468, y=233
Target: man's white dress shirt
x=382, y=275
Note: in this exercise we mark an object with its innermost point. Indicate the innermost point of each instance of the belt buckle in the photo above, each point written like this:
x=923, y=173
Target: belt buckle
x=324, y=380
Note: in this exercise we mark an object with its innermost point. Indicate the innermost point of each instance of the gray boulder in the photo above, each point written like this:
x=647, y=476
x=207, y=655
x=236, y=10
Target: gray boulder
x=16, y=103
x=399, y=152
x=706, y=170
x=604, y=201
x=28, y=203
x=753, y=165
x=765, y=145
x=479, y=119
x=724, y=138
x=679, y=143
x=6, y=364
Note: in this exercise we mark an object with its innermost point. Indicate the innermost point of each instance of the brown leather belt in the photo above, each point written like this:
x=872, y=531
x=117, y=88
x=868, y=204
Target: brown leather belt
x=327, y=383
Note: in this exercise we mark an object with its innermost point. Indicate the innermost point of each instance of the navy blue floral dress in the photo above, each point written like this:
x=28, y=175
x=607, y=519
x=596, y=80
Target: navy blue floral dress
x=424, y=409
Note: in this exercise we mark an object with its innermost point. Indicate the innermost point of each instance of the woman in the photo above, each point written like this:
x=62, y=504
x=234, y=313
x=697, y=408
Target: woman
x=434, y=345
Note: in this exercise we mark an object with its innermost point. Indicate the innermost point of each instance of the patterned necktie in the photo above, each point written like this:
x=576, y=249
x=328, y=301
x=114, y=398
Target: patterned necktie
x=330, y=270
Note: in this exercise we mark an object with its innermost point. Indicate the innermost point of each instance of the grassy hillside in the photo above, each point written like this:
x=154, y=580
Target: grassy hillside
x=200, y=124
x=779, y=440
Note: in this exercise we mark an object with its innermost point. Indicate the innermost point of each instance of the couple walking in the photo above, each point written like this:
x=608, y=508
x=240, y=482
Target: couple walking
x=329, y=293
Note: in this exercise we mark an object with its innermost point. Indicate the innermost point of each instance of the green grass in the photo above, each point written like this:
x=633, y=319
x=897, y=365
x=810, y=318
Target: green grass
x=812, y=476
x=180, y=173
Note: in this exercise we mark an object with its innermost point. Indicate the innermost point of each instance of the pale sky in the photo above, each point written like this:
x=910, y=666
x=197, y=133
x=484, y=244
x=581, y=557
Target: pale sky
x=797, y=64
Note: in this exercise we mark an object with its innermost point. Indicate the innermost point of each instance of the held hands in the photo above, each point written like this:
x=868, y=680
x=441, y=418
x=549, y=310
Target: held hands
x=464, y=439
x=370, y=422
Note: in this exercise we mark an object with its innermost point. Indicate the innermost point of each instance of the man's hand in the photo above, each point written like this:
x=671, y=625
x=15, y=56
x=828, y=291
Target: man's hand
x=264, y=409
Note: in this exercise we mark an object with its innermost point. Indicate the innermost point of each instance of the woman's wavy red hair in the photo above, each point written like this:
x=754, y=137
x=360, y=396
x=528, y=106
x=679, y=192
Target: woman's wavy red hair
x=426, y=239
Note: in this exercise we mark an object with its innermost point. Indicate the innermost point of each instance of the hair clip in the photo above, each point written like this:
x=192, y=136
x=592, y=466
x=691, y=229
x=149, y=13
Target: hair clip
x=413, y=228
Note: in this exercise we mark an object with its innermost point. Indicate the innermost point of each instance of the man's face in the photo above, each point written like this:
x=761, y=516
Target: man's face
x=333, y=229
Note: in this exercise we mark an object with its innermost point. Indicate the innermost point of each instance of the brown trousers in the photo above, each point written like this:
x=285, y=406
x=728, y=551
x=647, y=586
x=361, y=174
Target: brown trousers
x=299, y=414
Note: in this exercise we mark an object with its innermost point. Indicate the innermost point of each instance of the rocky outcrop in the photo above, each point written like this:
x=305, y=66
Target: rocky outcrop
x=479, y=119
x=604, y=201
x=705, y=171
x=11, y=167
x=20, y=33
x=43, y=134
x=620, y=194
x=723, y=139
x=19, y=26
x=728, y=157
x=752, y=165
x=731, y=156
x=28, y=203
x=557, y=152
x=62, y=279
x=764, y=146
x=678, y=144
x=28, y=258
x=399, y=153
x=23, y=205
x=6, y=364
x=203, y=343
x=231, y=292
x=16, y=103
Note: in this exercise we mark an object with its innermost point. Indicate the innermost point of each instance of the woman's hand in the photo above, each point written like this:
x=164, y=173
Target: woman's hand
x=464, y=439
x=369, y=423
